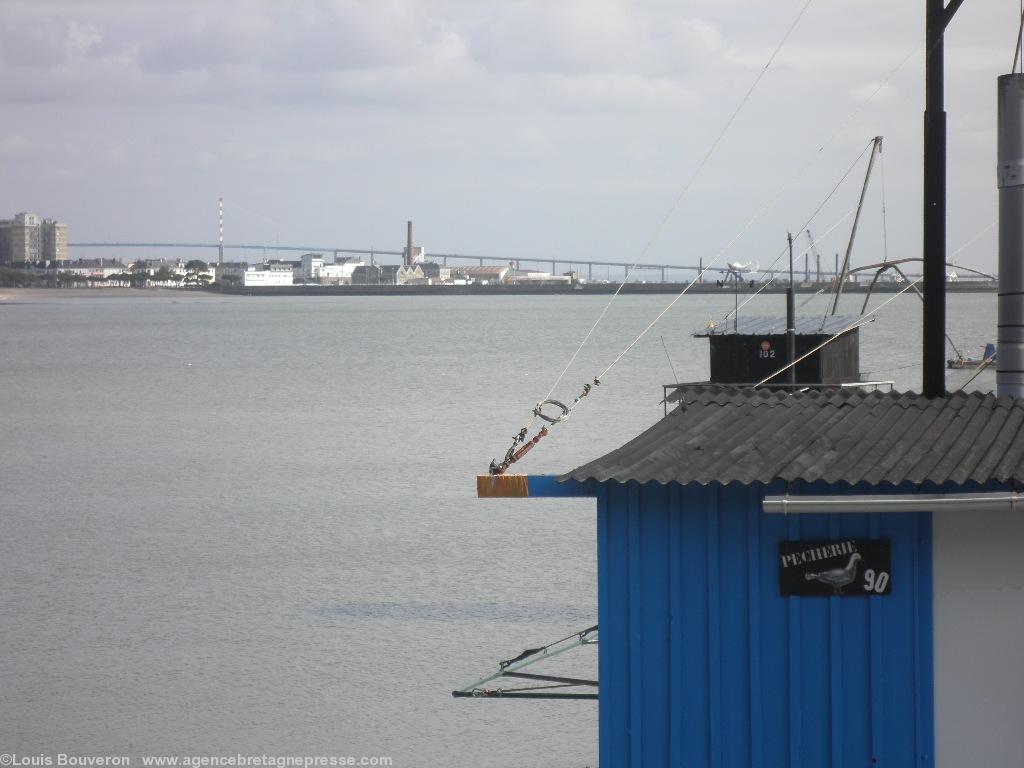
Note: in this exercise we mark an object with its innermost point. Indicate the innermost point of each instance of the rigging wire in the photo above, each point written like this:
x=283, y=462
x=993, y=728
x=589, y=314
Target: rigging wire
x=805, y=225
x=665, y=347
x=520, y=438
x=686, y=188
x=971, y=241
x=984, y=364
x=811, y=298
x=821, y=148
x=862, y=320
x=1017, y=48
x=785, y=250
x=228, y=203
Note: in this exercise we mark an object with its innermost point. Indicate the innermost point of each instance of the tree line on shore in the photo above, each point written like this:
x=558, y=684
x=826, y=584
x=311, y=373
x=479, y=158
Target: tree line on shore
x=195, y=276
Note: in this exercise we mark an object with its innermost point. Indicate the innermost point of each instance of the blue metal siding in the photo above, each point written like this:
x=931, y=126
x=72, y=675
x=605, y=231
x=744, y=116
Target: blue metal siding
x=703, y=663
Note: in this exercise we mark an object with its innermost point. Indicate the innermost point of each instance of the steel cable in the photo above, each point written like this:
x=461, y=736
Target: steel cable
x=521, y=436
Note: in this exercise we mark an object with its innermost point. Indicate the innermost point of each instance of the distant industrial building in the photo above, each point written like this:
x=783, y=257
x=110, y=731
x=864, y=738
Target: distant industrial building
x=419, y=253
x=412, y=254
x=28, y=238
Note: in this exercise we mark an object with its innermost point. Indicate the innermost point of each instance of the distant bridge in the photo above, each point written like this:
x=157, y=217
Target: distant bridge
x=373, y=253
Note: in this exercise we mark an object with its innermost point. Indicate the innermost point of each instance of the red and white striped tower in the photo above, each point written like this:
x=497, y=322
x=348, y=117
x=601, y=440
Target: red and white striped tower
x=220, y=231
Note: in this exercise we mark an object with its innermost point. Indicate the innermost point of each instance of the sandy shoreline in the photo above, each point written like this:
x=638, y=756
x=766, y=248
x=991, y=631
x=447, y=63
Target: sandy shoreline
x=21, y=295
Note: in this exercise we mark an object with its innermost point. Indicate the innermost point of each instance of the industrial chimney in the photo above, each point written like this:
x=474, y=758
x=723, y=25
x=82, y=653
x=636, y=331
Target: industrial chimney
x=408, y=246
x=1010, y=180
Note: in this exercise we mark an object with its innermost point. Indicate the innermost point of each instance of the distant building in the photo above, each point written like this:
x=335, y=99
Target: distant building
x=94, y=269
x=55, y=241
x=339, y=273
x=528, y=276
x=366, y=274
x=434, y=272
x=410, y=275
x=294, y=266
x=312, y=263
x=270, y=274
x=29, y=238
x=231, y=272
x=483, y=275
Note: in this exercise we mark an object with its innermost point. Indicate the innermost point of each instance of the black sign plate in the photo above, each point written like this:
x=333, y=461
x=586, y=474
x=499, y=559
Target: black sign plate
x=842, y=568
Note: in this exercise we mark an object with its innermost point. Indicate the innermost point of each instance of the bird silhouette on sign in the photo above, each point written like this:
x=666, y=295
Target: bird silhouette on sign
x=837, y=578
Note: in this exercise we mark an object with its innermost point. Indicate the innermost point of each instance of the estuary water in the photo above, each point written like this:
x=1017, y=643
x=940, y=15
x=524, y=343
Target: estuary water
x=249, y=525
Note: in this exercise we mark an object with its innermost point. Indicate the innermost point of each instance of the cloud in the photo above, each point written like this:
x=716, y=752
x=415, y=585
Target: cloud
x=396, y=51
x=579, y=37
x=265, y=51
x=876, y=91
x=594, y=108
x=17, y=146
x=615, y=92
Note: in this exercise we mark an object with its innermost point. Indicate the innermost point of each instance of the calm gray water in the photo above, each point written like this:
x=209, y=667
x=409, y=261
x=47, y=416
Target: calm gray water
x=249, y=525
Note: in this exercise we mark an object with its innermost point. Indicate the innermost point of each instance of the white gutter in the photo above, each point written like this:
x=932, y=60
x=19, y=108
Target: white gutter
x=1001, y=501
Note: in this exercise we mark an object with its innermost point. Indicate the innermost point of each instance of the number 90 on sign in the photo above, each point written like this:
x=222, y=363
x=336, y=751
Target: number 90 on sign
x=875, y=582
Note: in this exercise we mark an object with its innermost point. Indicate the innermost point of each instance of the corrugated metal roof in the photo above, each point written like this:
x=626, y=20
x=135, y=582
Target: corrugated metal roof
x=723, y=435
x=764, y=325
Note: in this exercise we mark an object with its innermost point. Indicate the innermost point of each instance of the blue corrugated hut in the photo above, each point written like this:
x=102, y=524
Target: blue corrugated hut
x=703, y=661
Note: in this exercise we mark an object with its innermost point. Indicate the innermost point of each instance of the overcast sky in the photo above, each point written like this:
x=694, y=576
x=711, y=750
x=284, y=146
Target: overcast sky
x=557, y=128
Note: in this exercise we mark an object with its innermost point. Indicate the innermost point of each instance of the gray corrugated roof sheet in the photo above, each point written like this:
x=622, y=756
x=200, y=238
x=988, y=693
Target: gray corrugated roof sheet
x=764, y=325
x=723, y=435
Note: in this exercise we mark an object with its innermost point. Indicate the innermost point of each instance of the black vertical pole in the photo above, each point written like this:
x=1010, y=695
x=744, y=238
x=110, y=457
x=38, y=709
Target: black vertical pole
x=934, y=325
x=791, y=318
x=736, y=302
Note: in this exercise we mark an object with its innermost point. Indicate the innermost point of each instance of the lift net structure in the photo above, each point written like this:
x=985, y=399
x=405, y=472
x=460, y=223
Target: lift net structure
x=510, y=682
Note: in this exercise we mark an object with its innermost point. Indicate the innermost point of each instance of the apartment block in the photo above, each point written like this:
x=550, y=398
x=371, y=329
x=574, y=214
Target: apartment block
x=30, y=238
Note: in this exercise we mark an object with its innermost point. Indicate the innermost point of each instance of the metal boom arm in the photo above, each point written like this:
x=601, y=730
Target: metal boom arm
x=876, y=149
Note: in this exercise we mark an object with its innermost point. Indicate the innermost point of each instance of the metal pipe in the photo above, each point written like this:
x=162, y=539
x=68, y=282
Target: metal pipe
x=876, y=148
x=791, y=318
x=408, y=248
x=925, y=502
x=1010, y=180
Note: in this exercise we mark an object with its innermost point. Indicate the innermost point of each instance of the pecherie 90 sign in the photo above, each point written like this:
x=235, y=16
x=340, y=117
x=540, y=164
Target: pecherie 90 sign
x=839, y=568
